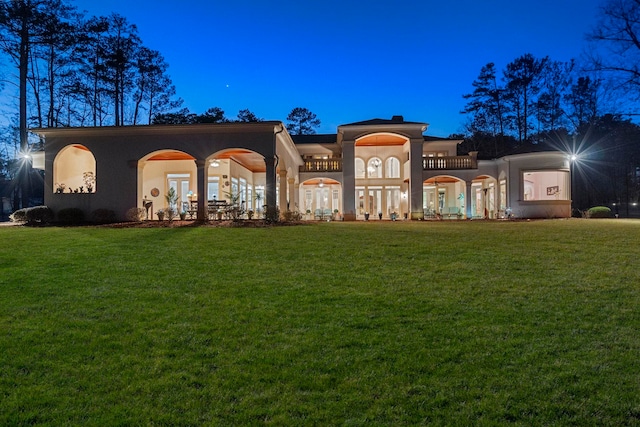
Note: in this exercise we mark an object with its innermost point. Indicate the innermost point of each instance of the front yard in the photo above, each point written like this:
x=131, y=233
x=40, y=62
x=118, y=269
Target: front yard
x=381, y=323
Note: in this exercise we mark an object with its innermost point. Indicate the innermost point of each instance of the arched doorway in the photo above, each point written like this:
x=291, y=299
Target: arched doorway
x=444, y=197
x=321, y=199
x=484, y=197
x=238, y=175
x=381, y=189
x=162, y=170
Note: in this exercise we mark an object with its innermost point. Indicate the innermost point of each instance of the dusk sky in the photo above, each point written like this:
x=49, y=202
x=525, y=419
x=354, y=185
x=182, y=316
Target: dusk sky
x=348, y=61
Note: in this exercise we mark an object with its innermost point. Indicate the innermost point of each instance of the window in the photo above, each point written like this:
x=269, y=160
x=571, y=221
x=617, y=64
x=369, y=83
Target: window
x=545, y=185
x=180, y=182
x=243, y=190
x=234, y=187
x=308, y=201
x=213, y=187
x=374, y=168
x=503, y=195
x=359, y=168
x=392, y=168
x=393, y=200
x=435, y=154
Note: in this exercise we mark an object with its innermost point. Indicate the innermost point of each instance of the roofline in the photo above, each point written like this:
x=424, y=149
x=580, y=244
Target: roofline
x=510, y=157
x=164, y=128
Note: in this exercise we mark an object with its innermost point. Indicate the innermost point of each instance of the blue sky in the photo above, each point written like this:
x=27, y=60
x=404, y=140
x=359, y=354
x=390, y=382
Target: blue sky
x=348, y=61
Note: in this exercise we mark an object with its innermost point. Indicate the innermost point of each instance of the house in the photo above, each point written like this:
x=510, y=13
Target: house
x=379, y=167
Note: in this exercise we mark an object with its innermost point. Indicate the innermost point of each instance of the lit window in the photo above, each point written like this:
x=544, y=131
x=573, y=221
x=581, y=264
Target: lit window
x=392, y=168
x=359, y=168
x=545, y=185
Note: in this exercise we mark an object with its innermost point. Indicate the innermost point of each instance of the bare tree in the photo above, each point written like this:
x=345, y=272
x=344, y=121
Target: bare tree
x=615, y=43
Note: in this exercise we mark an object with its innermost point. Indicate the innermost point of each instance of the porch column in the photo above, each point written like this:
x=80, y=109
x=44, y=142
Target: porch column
x=270, y=184
x=296, y=196
x=348, y=180
x=201, y=179
x=415, y=180
x=468, y=199
x=282, y=196
x=292, y=193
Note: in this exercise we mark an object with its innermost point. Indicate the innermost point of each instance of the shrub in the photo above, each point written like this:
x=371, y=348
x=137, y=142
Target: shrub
x=19, y=216
x=291, y=216
x=71, y=216
x=171, y=213
x=136, y=214
x=272, y=214
x=599, y=212
x=38, y=215
x=103, y=216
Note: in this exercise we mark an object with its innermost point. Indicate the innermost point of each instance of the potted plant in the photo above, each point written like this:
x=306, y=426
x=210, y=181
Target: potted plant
x=89, y=179
x=250, y=214
x=366, y=216
x=160, y=214
x=183, y=215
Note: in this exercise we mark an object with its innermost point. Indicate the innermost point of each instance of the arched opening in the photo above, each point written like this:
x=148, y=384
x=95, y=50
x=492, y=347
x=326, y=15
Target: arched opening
x=484, y=197
x=321, y=199
x=74, y=170
x=381, y=187
x=238, y=177
x=163, y=170
x=444, y=197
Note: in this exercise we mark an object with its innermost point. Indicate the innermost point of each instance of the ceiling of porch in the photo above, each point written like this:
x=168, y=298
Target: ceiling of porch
x=380, y=140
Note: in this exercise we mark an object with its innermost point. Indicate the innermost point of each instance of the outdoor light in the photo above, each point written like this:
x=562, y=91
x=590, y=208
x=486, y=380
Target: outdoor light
x=574, y=157
x=321, y=184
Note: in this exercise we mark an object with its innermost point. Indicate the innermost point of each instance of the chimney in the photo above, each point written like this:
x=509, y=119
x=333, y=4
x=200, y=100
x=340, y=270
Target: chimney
x=397, y=119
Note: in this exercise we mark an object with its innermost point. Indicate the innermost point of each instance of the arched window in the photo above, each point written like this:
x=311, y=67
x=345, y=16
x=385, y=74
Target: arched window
x=392, y=168
x=359, y=168
x=374, y=168
x=74, y=170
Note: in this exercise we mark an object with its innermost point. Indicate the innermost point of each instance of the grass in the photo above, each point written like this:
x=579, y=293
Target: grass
x=449, y=323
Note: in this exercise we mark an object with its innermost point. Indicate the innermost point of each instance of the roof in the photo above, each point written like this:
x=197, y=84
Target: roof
x=439, y=138
x=395, y=120
x=324, y=138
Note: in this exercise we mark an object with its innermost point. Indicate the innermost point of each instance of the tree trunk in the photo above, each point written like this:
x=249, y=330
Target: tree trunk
x=24, y=142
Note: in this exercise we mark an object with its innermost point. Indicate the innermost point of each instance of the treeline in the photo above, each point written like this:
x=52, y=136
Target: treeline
x=528, y=99
x=537, y=104
x=74, y=70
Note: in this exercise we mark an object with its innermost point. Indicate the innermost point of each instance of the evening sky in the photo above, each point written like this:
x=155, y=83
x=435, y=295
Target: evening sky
x=348, y=61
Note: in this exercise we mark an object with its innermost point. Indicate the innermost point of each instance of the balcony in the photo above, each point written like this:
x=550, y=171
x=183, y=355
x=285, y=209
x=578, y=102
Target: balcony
x=321, y=165
x=450, y=163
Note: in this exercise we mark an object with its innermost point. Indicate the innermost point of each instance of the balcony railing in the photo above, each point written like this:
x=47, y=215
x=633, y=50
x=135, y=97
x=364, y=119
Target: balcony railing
x=321, y=165
x=449, y=162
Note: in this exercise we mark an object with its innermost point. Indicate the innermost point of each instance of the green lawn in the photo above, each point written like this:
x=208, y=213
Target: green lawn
x=439, y=323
